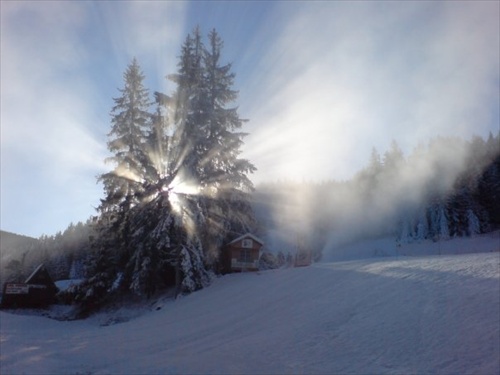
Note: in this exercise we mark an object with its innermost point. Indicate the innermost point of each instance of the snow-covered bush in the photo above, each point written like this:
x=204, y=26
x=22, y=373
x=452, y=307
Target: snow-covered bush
x=268, y=261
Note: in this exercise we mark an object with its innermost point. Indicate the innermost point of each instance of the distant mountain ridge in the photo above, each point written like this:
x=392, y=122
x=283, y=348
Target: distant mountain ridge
x=12, y=247
x=10, y=241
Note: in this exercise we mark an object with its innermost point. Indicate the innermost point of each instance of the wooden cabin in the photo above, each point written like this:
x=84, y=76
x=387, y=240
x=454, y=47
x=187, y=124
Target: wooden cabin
x=38, y=290
x=242, y=254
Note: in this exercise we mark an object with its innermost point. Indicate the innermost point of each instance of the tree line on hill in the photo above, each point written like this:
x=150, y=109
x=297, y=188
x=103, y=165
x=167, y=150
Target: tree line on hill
x=387, y=197
x=447, y=188
x=64, y=254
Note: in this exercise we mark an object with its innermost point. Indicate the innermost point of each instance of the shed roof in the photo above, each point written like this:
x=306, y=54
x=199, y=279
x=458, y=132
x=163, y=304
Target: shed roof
x=247, y=235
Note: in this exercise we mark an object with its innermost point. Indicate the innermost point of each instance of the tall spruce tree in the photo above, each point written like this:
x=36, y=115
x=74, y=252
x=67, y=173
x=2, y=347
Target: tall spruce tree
x=208, y=142
x=186, y=107
x=131, y=120
x=123, y=186
x=225, y=182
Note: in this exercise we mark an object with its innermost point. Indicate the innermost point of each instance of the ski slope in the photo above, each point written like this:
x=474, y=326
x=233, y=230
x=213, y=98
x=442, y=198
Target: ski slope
x=392, y=315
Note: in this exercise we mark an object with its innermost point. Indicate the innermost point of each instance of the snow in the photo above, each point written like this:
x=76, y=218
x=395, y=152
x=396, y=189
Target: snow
x=388, y=246
x=393, y=314
x=63, y=285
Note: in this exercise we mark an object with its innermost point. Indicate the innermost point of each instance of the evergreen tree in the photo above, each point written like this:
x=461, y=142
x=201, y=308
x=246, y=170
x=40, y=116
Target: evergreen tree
x=123, y=187
x=488, y=190
x=473, y=225
x=15, y=268
x=439, y=221
x=368, y=182
x=95, y=289
x=225, y=182
x=187, y=108
x=394, y=158
x=393, y=165
x=131, y=120
x=207, y=142
x=422, y=230
x=375, y=164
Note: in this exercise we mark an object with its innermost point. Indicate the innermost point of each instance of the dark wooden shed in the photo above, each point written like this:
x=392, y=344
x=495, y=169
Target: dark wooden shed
x=38, y=290
x=242, y=254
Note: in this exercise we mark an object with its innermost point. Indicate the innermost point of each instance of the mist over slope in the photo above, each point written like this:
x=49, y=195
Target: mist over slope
x=11, y=244
x=445, y=189
x=434, y=314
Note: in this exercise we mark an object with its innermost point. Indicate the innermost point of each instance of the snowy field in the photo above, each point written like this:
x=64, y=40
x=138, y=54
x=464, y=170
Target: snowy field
x=388, y=315
x=388, y=247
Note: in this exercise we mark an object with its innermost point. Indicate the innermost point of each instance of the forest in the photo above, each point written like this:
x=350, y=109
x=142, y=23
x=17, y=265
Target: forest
x=178, y=190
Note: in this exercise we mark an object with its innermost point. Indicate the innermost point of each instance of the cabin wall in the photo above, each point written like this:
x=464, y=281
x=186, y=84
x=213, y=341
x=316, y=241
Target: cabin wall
x=37, y=291
x=236, y=261
x=242, y=255
x=27, y=295
x=250, y=263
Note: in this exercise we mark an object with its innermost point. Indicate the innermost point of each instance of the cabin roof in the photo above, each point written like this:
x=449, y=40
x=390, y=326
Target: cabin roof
x=33, y=273
x=247, y=235
x=44, y=274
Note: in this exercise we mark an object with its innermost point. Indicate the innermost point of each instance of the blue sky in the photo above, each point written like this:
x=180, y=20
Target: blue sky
x=321, y=83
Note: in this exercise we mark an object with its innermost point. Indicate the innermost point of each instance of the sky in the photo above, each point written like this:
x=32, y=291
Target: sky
x=321, y=83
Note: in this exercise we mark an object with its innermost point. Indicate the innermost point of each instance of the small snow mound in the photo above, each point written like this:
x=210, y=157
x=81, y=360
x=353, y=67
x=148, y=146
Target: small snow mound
x=64, y=285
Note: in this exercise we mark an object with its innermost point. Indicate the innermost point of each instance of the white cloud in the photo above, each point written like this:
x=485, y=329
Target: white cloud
x=343, y=77
x=48, y=153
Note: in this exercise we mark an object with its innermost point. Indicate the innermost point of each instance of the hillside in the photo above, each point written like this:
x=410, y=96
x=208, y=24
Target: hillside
x=429, y=314
x=11, y=241
x=13, y=246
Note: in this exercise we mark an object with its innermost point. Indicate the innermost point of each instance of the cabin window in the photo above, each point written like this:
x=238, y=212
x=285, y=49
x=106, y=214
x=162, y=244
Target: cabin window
x=245, y=256
x=247, y=243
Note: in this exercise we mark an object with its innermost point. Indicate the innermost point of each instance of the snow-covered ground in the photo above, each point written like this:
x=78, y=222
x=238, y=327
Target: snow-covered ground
x=388, y=246
x=391, y=315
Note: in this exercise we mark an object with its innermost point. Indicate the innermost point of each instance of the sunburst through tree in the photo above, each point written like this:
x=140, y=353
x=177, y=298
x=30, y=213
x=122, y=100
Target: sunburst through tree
x=178, y=189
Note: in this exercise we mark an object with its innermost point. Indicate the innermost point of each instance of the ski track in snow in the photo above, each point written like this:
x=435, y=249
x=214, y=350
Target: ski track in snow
x=432, y=314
